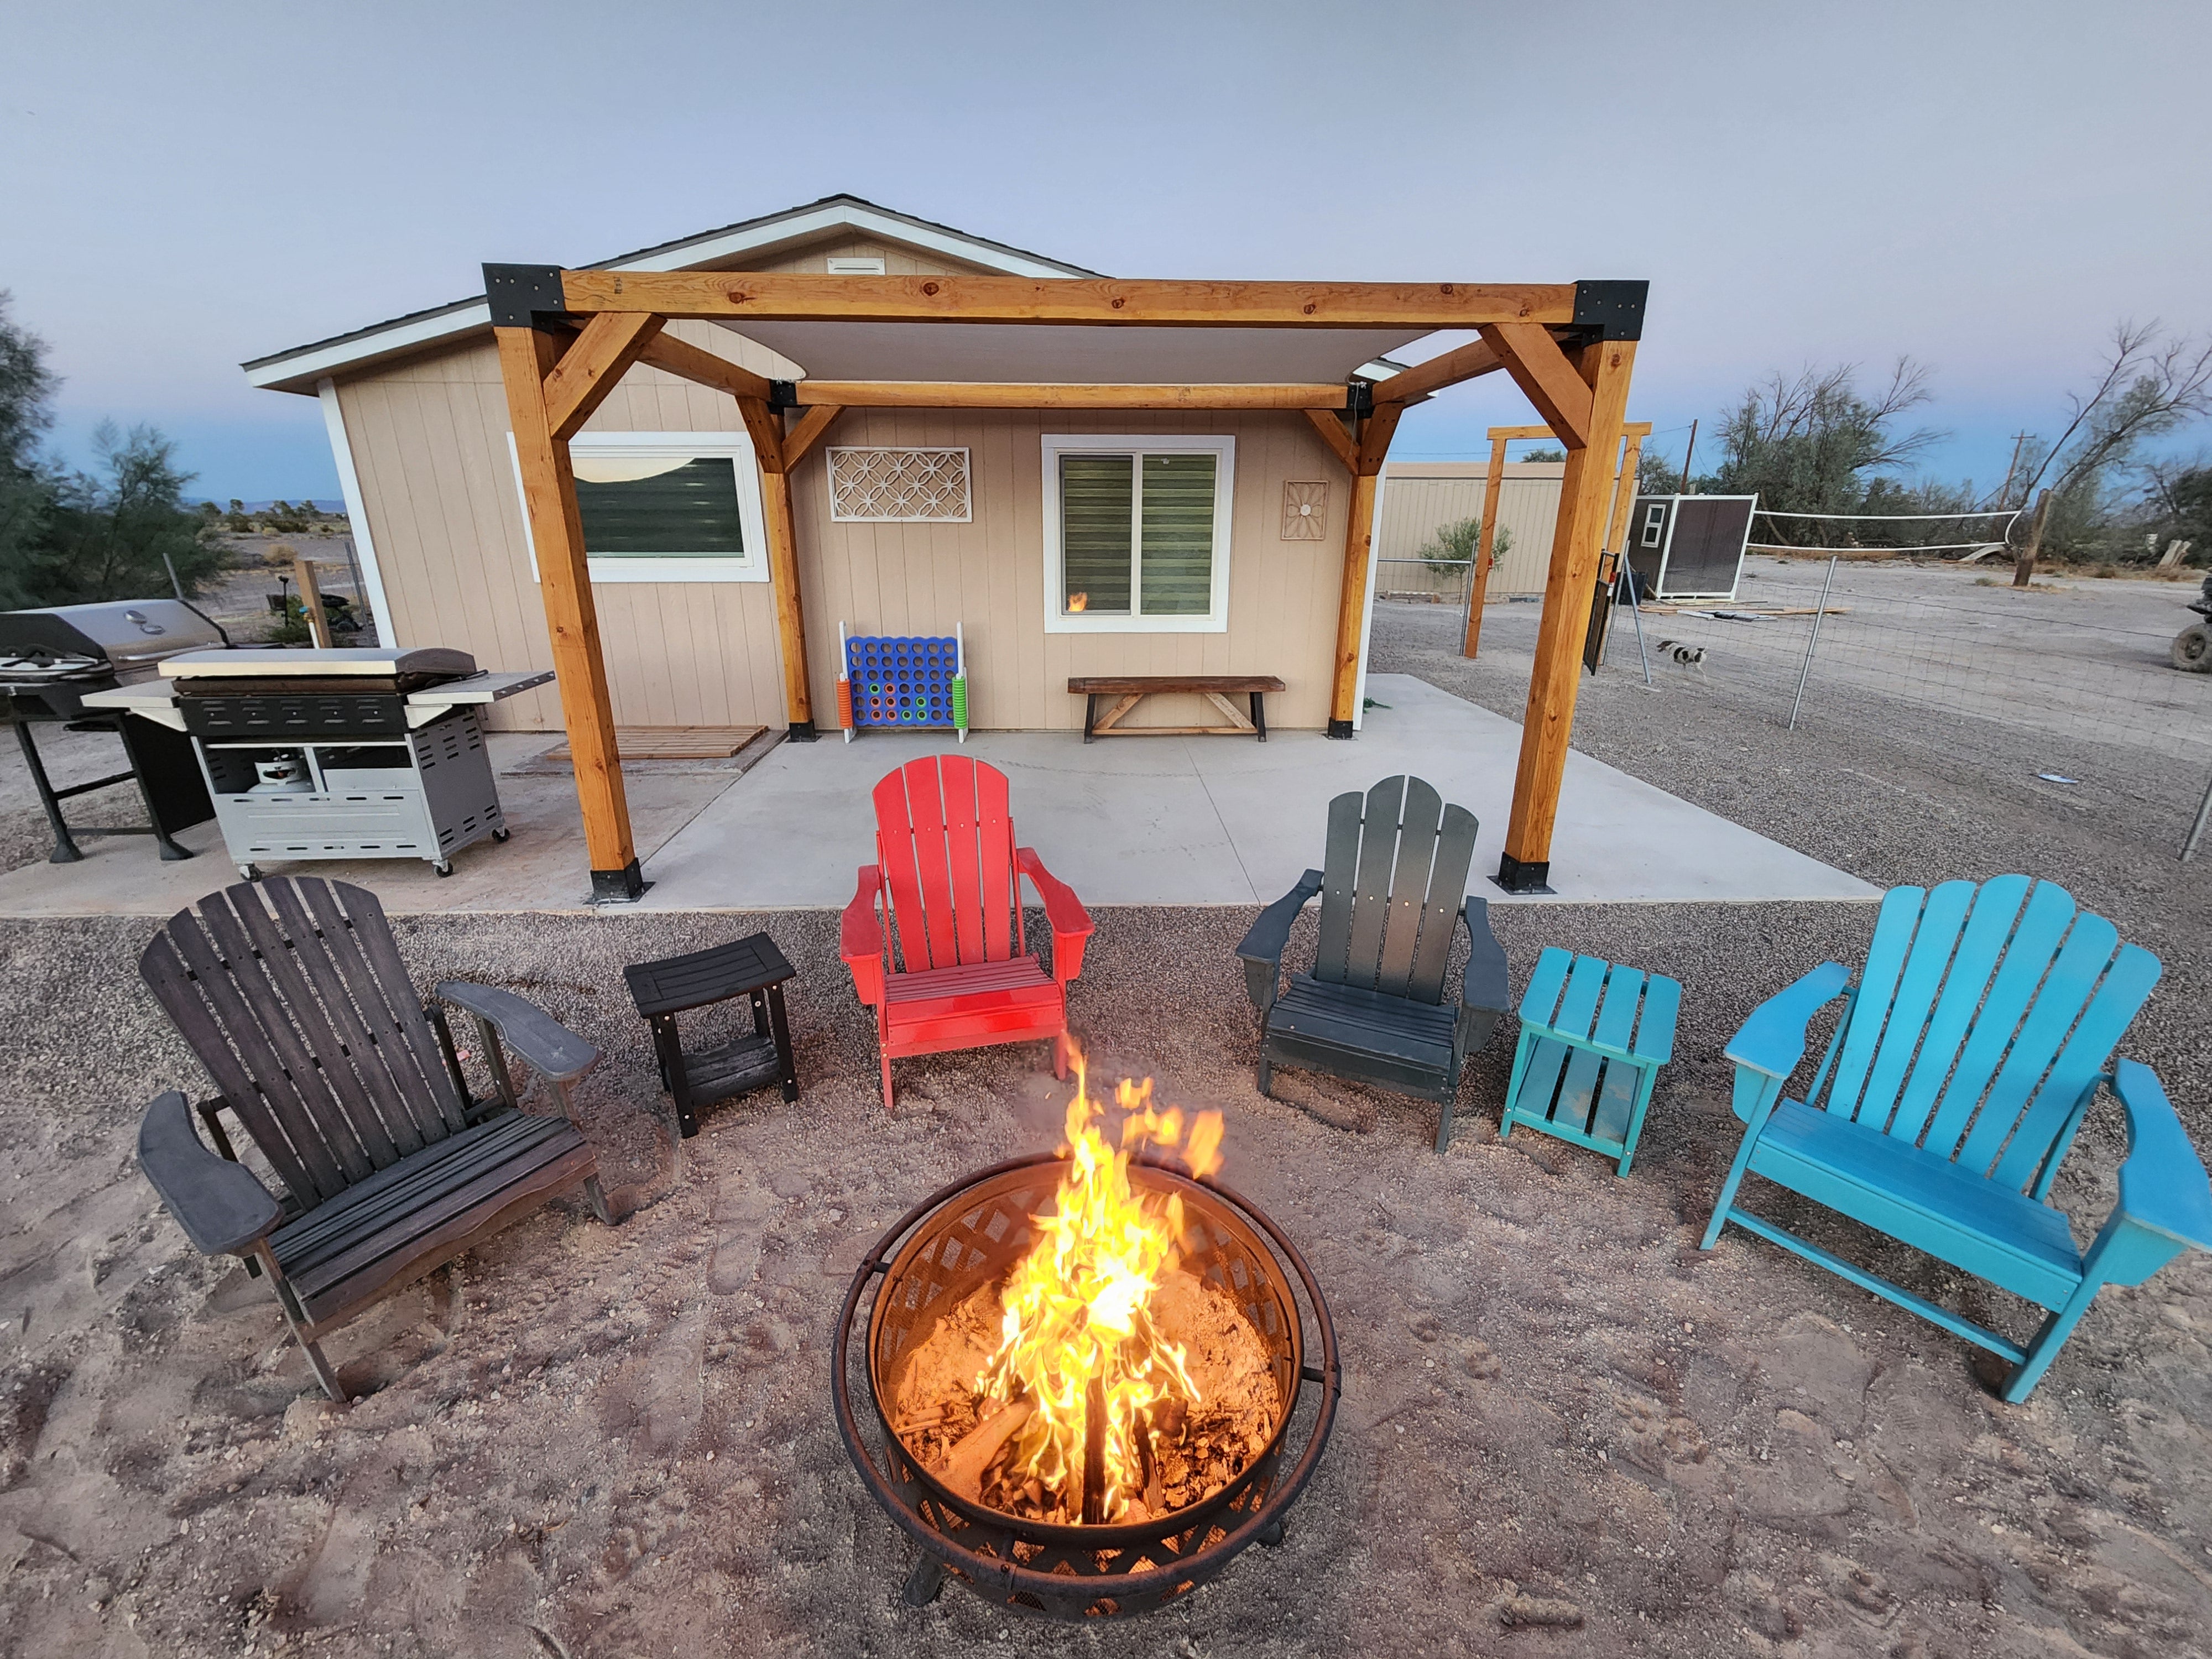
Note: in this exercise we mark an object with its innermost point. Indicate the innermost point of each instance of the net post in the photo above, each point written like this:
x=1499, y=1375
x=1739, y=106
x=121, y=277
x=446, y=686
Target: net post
x=1805, y=669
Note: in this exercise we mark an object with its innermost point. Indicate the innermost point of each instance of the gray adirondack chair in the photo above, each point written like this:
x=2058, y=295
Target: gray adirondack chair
x=292, y=994
x=1393, y=891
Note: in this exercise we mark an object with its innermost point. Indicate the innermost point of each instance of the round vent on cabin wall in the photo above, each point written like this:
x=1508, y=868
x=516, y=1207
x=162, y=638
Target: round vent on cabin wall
x=1305, y=512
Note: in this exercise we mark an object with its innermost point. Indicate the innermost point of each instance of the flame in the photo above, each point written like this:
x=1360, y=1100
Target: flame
x=1078, y=1330
x=1078, y=602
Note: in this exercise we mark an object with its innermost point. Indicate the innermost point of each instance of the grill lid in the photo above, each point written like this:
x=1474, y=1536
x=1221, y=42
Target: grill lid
x=424, y=665
x=120, y=633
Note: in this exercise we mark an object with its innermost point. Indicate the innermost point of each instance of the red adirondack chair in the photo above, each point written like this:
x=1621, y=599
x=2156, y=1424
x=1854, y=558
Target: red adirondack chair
x=949, y=876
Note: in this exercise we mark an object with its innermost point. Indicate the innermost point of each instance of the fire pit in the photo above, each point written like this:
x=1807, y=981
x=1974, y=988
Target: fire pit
x=1116, y=1429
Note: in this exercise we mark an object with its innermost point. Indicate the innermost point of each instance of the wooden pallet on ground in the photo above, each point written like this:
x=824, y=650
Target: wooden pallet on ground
x=672, y=743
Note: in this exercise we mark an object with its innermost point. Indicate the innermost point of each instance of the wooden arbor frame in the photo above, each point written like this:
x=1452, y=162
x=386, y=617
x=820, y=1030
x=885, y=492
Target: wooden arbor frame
x=1624, y=500
x=565, y=337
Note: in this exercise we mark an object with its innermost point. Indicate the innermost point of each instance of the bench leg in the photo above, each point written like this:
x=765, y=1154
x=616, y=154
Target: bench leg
x=1090, y=717
x=1260, y=714
x=1443, y=1126
x=780, y=1025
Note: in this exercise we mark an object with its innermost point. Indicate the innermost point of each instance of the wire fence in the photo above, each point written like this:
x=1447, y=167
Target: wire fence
x=2056, y=684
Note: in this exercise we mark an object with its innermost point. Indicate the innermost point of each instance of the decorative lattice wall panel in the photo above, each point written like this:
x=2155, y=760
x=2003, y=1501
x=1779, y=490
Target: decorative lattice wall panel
x=899, y=486
x=1305, y=512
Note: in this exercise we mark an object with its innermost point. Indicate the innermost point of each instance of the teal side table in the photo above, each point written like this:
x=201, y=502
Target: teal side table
x=1593, y=1037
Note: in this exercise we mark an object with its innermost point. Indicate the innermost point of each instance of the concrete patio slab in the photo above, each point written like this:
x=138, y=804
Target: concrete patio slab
x=1202, y=821
x=1156, y=821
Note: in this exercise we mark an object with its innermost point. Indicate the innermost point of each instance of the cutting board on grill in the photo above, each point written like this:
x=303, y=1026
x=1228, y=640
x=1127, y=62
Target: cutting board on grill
x=672, y=743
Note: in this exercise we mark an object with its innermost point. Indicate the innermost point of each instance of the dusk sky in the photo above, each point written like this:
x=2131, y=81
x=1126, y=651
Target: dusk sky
x=1988, y=188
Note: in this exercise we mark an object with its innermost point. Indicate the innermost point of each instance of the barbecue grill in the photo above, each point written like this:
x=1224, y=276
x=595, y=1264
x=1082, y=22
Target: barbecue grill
x=51, y=659
x=347, y=753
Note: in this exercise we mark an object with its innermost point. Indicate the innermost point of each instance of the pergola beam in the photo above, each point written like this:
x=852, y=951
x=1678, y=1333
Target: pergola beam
x=1475, y=358
x=1339, y=441
x=984, y=394
x=782, y=297
x=598, y=357
x=1546, y=378
x=806, y=431
x=702, y=368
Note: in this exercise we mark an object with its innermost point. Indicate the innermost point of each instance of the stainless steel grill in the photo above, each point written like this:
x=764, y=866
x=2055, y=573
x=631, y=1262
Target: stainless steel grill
x=51, y=659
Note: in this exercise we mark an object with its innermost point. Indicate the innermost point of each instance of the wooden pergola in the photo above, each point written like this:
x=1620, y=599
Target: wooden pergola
x=565, y=337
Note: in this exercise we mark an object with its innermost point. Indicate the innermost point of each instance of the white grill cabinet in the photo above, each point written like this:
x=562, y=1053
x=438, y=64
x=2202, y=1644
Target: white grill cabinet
x=340, y=754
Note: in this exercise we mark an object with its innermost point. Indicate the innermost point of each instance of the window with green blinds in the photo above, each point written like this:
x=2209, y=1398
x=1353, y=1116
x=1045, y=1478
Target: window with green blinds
x=1176, y=524
x=688, y=509
x=1097, y=494
x=1136, y=534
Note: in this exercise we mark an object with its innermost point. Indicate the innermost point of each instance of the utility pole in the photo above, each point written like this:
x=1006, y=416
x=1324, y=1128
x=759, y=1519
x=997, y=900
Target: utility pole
x=2023, y=569
x=1688, y=450
x=2012, y=466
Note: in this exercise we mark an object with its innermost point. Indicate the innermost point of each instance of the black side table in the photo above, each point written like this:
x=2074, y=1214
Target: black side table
x=750, y=967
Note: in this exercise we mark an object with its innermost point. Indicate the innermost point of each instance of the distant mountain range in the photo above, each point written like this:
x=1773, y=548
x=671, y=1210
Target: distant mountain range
x=263, y=506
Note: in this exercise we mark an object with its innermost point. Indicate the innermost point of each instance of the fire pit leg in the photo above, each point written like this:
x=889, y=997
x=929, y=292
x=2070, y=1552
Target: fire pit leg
x=923, y=1584
x=1271, y=1535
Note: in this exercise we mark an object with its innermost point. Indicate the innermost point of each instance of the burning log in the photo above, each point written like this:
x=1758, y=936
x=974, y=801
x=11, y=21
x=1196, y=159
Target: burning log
x=1094, y=1453
x=963, y=1469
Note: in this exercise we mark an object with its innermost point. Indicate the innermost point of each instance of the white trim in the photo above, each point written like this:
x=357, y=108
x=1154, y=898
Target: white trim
x=469, y=318
x=1367, y=615
x=1216, y=620
x=750, y=567
x=372, y=573
x=400, y=337
x=841, y=216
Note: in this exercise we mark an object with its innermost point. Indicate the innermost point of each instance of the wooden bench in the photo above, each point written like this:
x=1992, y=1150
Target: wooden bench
x=1130, y=690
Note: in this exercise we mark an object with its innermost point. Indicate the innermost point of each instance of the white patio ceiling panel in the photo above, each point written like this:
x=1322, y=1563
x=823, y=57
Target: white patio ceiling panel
x=1105, y=355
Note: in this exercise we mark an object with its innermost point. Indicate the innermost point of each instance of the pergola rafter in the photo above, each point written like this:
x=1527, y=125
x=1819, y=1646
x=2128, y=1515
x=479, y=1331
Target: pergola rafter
x=567, y=336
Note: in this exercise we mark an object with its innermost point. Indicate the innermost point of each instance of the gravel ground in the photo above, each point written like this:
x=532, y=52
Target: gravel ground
x=1564, y=1429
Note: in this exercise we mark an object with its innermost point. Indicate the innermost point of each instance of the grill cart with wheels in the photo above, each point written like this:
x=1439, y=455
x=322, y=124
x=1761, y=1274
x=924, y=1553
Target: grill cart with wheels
x=337, y=754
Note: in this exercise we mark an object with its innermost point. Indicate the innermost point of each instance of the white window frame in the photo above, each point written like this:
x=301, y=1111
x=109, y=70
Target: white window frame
x=1216, y=618
x=752, y=566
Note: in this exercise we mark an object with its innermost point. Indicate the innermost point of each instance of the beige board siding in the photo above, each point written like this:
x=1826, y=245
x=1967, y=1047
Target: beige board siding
x=430, y=442
x=988, y=576
x=1420, y=498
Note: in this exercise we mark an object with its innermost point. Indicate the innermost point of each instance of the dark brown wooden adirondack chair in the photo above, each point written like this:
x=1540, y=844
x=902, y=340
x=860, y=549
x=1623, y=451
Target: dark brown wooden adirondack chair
x=353, y=1092
x=1393, y=891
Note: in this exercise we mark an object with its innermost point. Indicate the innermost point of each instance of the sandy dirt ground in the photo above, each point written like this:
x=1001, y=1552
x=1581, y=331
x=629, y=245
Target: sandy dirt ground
x=1565, y=1431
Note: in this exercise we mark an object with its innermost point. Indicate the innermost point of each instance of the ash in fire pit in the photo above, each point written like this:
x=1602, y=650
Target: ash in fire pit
x=1088, y=1365
x=1100, y=1381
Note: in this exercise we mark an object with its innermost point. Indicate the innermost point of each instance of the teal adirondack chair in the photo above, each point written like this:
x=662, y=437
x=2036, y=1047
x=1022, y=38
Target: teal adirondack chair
x=1970, y=1046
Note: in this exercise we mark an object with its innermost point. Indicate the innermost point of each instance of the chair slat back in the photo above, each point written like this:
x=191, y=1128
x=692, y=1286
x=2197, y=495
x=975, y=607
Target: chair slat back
x=945, y=839
x=1393, y=877
x=292, y=994
x=1982, y=1018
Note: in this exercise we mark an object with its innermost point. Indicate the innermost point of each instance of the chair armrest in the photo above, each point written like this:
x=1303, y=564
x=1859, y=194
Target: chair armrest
x=860, y=938
x=1071, y=922
x=2162, y=1184
x=222, y=1207
x=1485, y=991
x=1772, y=1040
x=1261, y=951
x=544, y=1044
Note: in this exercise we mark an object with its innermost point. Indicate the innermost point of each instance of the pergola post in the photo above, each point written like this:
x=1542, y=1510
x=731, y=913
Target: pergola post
x=526, y=356
x=1493, y=486
x=1602, y=369
x=1365, y=460
x=766, y=428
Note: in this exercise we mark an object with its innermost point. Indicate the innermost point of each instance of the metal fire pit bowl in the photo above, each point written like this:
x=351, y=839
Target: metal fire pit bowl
x=970, y=1235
